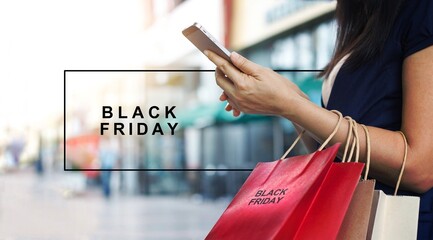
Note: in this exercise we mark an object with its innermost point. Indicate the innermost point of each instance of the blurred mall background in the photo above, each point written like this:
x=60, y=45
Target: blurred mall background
x=41, y=39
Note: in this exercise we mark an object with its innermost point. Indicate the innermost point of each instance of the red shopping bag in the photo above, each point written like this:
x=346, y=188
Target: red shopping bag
x=302, y=197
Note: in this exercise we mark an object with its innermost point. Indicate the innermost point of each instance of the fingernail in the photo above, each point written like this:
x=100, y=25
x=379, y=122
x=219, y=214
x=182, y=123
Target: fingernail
x=235, y=54
x=206, y=52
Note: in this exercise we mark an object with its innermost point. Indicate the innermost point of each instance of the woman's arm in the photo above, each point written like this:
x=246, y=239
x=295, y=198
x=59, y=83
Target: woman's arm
x=417, y=120
x=260, y=90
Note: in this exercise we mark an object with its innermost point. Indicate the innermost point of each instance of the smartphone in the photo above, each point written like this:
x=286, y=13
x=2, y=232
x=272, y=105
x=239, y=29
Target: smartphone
x=203, y=40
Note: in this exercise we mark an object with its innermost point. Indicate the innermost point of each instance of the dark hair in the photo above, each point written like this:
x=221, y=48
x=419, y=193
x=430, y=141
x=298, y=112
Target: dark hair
x=363, y=27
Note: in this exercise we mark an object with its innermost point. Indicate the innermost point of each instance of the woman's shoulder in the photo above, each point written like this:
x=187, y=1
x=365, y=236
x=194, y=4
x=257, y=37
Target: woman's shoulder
x=415, y=25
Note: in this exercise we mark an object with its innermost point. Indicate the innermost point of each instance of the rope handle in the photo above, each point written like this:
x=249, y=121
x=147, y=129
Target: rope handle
x=403, y=164
x=340, y=117
x=349, y=137
x=353, y=130
x=358, y=146
x=353, y=127
x=367, y=161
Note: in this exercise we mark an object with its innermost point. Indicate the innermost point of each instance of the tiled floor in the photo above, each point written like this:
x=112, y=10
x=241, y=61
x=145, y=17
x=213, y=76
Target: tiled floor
x=38, y=208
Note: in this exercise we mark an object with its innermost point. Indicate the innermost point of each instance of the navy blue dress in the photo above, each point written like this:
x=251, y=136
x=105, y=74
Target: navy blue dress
x=372, y=94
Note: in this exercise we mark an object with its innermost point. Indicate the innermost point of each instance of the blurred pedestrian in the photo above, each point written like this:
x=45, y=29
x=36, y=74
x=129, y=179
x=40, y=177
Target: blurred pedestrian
x=15, y=147
x=108, y=155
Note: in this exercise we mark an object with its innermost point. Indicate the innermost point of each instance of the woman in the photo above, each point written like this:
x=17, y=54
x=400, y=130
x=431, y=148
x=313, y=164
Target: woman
x=381, y=75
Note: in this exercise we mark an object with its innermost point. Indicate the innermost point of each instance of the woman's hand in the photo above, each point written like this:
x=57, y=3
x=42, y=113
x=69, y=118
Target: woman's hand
x=251, y=88
x=229, y=107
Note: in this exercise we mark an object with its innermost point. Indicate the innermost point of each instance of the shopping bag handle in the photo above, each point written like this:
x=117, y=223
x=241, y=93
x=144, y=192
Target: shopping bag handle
x=349, y=137
x=367, y=161
x=403, y=164
x=340, y=117
x=353, y=127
